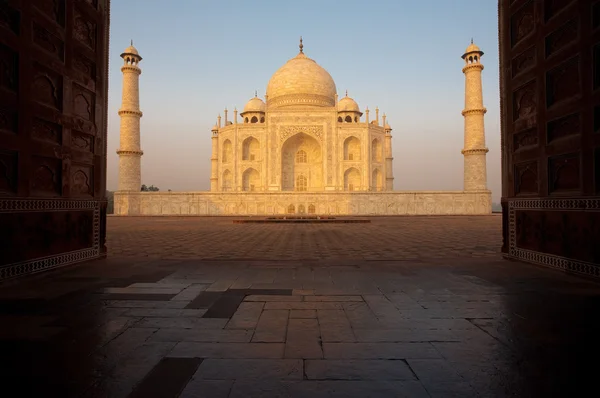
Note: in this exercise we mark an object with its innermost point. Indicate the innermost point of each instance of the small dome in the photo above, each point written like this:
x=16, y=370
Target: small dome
x=387, y=126
x=215, y=128
x=131, y=50
x=347, y=104
x=472, y=49
x=255, y=105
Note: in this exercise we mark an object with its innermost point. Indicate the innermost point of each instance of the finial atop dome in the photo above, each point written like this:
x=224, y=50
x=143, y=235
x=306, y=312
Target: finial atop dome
x=346, y=92
x=255, y=93
x=301, y=46
x=471, y=40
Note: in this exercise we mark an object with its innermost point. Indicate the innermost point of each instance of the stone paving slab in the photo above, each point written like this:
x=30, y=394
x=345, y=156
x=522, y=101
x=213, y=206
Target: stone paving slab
x=400, y=307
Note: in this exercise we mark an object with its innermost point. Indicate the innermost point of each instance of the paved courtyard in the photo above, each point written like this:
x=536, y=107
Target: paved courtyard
x=202, y=307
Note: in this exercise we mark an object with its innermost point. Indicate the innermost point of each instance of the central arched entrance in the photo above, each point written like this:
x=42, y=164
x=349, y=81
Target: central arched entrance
x=301, y=164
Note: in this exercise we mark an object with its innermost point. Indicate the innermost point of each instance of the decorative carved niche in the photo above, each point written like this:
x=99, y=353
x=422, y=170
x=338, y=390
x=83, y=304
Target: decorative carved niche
x=53, y=9
x=46, y=176
x=8, y=172
x=522, y=23
x=526, y=139
x=9, y=69
x=526, y=178
x=47, y=87
x=562, y=37
x=563, y=82
x=84, y=65
x=82, y=182
x=84, y=30
x=563, y=127
x=564, y=173
x=9, y=120
x=10, y=19
x=83, y=103
x=82, y=141
x=44, y=130
x=524, y=61
x=553, y=7
x=48, y=42
x=524, y=102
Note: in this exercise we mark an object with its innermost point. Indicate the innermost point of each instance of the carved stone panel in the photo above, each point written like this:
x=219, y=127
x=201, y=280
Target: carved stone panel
x=82, y=180
x=553, y=7
x=526, y=178
x=526, y=139
x=49, y=42
x=522, y=23
x=82, y=141
x=44, y=130
x=563, y=127
x=563, y=82
x=524, y=102
x=562, y=37
x=46, y=176
x=564, y=173
x=84, y=30
x=47, y=87
x=52, y=9
x=524, y=61
x=85, y=65
x=83, y=103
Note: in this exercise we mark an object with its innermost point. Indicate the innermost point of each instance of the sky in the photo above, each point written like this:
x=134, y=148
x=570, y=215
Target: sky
x=200, y=57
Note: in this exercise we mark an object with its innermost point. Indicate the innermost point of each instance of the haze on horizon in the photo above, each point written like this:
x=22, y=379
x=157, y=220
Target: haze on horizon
x=402, y=56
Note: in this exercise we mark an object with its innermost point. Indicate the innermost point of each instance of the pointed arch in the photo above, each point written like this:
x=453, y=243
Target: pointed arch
x=376, y=150
x=352, y=179
x=301, y=183
x=352, y=148
x=227, y=151
x=250, y=180
x=376, y=180
x=250, y=149
x=227, y=181
x=301, y=156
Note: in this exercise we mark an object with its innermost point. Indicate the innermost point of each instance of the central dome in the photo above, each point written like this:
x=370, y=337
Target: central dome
x=301, y=81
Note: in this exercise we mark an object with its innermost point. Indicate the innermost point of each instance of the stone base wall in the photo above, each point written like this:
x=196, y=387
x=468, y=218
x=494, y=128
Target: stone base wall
x=323, y=203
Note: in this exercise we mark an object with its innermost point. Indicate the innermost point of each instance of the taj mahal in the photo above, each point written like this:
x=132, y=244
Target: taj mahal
x=302, y=150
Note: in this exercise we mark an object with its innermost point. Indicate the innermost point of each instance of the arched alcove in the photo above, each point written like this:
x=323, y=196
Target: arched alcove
x=351, y=148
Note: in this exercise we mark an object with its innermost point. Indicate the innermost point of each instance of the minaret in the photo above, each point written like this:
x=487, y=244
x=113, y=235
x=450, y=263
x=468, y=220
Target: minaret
x=130, y=154
x=389, y=168
x=214, y=179
x=475, y=177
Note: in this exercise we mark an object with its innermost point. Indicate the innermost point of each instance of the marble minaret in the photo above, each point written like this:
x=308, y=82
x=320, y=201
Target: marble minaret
x=130, y=153
x=214, y=158
x=389, y=170
x=474, y=151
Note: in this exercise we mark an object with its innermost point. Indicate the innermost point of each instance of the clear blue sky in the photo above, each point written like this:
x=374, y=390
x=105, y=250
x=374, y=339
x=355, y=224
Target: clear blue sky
x=403, y=56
